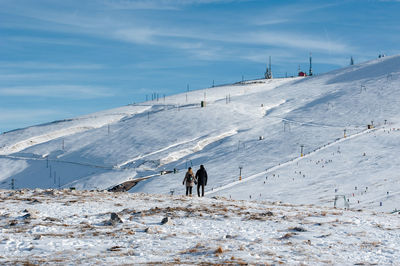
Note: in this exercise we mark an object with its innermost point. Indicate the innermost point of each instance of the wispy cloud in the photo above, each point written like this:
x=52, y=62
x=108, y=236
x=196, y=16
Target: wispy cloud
x=25, y=114
x=47, y=40
x=287, y=13
x=296, y=40
x=58, y=91
x=139, y=30
x=43, y=76
x=12, y=118
x=190, y=39
x=162, y=4
x=137, y=35
x=47, y=65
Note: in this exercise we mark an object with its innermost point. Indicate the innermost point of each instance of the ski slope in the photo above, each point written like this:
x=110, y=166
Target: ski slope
x=104, y=149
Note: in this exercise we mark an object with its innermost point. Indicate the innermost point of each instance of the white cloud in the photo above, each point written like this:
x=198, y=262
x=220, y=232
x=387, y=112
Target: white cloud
x=136, y=35
x=142, y=30
x=13, y=118
x=46, y=40
x=48, y=65
x=162, y=4
x=57, y=91
x=42, y=76
x=295, y=40
x=25, y=114
x=184, y=39
x=201, y=40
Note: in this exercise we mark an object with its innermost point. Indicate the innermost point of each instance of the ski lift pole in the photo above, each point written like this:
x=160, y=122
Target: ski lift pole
x=240, y=173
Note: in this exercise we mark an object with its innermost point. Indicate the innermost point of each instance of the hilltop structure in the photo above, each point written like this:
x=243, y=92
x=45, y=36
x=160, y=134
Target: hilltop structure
x=268, y=72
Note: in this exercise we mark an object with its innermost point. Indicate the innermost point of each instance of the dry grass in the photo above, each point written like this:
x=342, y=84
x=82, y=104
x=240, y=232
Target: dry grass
x=286, y=236
x=196, y=249
x=372, y=244
x=219, y=250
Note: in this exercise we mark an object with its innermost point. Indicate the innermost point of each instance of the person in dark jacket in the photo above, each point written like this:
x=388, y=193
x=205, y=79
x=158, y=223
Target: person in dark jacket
x=201, y=176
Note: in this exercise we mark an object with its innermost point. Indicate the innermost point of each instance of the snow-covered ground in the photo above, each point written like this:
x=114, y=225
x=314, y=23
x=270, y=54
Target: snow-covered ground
x=60, y=227
x=104, y=149
x=259, y=126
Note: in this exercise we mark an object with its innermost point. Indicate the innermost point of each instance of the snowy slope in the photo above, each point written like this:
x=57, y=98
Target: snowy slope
x=107, y=148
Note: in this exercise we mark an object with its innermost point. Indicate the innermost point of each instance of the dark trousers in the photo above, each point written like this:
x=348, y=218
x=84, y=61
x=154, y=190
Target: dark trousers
x=202, y=190
x=189, y=191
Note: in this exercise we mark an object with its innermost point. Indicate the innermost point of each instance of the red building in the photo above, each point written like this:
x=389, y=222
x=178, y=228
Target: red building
x=302, y=74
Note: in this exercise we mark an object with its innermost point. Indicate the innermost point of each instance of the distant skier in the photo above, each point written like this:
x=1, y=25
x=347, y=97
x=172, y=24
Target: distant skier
x=190, y=180
x=201, y=176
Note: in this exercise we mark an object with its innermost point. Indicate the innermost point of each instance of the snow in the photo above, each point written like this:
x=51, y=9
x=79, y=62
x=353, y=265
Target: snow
x=101, y=150
x=72, y=227
x=258, y=126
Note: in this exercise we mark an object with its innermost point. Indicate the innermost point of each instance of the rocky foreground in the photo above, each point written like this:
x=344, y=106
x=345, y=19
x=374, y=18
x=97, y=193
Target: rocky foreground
x=96, y=227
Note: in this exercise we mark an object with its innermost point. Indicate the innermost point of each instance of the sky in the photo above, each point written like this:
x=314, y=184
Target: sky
x=61, y=59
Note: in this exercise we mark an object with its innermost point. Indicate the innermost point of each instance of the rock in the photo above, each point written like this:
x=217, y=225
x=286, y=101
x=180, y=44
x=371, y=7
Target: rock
x=166, y=220
x=297, y=229
x=33, y=201
x=51, y=219
x=27, y=216
x=268, y=213
x=148, y=230
x=37, y=237
x=115, y=248
x=49, y=192
x=115, y=219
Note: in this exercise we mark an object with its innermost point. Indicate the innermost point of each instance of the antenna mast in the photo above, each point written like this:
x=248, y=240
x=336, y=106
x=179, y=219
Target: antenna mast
x=268, y=72
x=310, y=72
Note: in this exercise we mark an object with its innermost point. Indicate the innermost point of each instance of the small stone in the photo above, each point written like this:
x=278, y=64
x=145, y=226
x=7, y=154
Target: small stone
x=115, y=219
x=27, y=216
x=269, y=213
x=297, y=229
x=166, y=220
x=49, y=192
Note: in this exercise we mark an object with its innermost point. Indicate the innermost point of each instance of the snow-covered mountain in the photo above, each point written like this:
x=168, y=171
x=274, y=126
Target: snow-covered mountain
x=259, y=125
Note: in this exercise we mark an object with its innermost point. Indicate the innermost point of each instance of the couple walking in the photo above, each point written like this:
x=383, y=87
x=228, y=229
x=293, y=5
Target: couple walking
x=200, y=179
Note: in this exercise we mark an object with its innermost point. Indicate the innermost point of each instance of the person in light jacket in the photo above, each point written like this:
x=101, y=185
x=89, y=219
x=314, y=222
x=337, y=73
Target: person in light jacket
x=201, y=178
x=190, y=180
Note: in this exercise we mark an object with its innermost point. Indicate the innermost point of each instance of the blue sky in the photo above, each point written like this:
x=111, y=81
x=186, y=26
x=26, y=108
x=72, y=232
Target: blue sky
x=60, y=59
